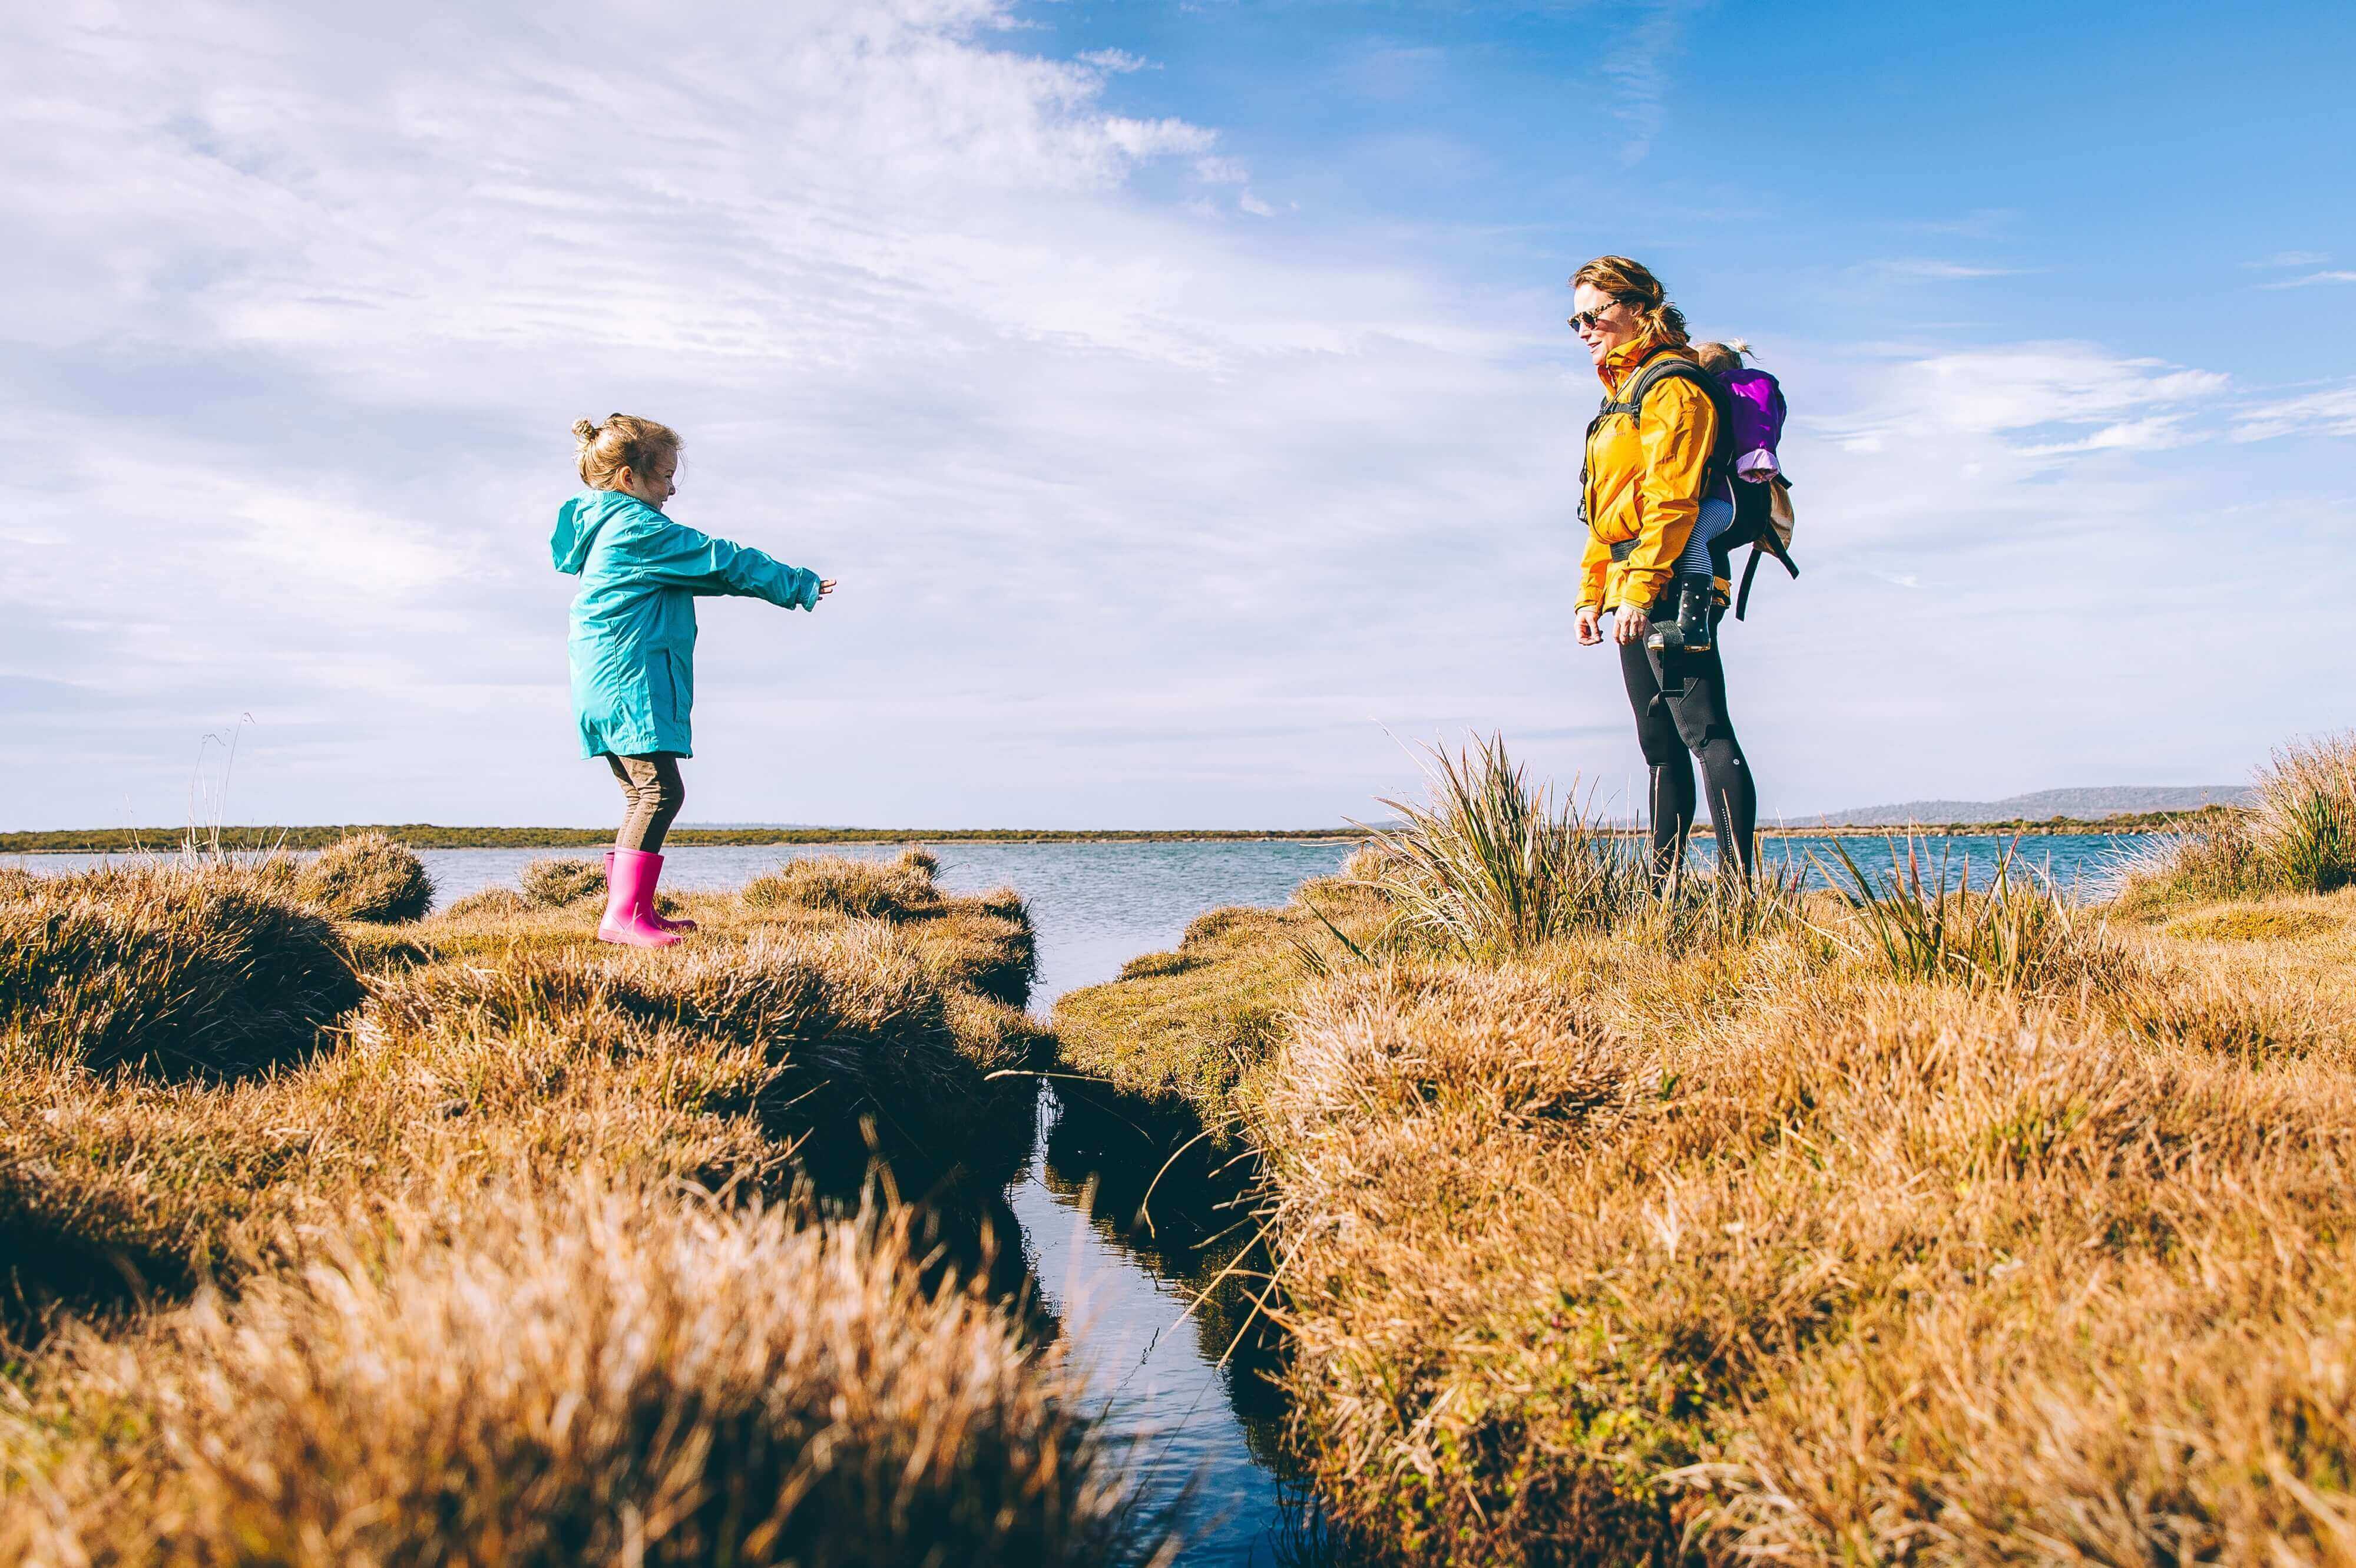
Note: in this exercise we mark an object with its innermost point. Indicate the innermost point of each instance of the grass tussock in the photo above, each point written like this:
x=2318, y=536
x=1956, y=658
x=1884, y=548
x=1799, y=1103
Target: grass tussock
x=551, y=882
x=587, y=1374
x=175, y=969
x=1488, y=866
x=774, y=1048
x=2299, y=836
x=897, y=890
x=366, y=876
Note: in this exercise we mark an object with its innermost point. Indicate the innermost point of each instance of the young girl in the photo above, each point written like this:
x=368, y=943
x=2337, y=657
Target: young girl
x=633, y=642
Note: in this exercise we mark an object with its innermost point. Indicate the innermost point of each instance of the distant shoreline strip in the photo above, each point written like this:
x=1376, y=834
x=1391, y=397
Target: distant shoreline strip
x=427, y=835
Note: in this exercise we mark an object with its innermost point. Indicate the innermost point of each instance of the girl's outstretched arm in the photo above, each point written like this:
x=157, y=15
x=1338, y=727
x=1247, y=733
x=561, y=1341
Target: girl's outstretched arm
x=672, y=553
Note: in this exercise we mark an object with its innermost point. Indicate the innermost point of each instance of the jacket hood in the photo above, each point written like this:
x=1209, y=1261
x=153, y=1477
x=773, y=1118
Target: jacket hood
x=577, y=522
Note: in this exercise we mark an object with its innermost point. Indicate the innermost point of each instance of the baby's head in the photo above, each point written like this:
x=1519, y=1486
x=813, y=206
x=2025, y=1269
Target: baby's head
x=634, y=455
x=1722, y=358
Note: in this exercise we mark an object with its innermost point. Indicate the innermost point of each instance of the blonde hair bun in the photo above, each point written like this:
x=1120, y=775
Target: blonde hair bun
x=624, y=442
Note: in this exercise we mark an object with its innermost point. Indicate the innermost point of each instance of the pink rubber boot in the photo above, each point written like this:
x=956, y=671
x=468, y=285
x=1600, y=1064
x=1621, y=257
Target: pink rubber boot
x=629, y=900
x=656, y=915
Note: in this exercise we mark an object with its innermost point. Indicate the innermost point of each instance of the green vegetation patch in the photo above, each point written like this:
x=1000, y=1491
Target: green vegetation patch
x=2251, y=925
x=1182, y=1031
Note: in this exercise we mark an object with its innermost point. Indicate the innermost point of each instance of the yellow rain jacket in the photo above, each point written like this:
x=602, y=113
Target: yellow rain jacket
x=1643, y=482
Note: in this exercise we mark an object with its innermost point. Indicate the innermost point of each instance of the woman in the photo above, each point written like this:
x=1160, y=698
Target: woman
x=1650, y=468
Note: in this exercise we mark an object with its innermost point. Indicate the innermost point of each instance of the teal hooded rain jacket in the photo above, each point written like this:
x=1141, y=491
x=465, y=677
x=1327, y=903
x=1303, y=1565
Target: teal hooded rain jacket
x=633, y=638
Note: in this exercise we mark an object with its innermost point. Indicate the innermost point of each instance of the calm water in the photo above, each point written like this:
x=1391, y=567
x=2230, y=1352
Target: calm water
x=1124, y=1304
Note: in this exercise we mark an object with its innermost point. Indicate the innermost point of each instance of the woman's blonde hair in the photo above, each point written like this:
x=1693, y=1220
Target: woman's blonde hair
x=1634, y=285
x=624, y=441
x=1724, y=357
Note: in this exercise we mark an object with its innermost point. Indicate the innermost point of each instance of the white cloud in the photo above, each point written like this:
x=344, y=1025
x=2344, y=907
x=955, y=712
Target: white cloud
x=1118, y=62
x=2334, y=275
x=2332, y=412
x=2290, y=259
x=1140, y=517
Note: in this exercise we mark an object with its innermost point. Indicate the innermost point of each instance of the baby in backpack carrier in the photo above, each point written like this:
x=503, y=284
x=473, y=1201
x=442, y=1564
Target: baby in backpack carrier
x=1733, y=513
x=1757, y=405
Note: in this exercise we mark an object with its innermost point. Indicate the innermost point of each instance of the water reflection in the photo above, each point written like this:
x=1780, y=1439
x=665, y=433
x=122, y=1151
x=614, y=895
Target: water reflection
x=1188, y=1378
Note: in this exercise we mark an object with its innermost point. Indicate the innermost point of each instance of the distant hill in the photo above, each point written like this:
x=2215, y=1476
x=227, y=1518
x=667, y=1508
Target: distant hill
x=2078, y=805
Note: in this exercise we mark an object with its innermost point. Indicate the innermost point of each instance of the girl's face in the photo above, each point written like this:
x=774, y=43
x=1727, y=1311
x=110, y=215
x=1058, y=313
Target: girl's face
x=655, y=486
x=1601, y=322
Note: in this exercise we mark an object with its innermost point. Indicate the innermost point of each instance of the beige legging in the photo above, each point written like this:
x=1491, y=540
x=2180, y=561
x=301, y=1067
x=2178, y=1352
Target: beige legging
x=650, y=785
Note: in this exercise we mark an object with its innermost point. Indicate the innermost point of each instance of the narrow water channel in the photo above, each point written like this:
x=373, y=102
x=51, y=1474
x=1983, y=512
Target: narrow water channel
x=1187, y=1388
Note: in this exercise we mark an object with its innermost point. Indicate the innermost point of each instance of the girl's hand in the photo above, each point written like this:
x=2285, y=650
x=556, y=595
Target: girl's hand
x=1631, y=626
x=825, y=587
x=1589, y=626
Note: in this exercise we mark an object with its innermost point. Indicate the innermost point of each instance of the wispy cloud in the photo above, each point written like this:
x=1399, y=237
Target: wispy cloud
x=1639, y=72
x=1933, y=267
x=2334, y=275
x=1981, y=223
x=2289, y=259
x=1118, y=62
x=2332, y=412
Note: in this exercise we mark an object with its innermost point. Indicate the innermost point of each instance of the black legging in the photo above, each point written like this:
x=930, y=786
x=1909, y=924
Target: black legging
x=1691, y=716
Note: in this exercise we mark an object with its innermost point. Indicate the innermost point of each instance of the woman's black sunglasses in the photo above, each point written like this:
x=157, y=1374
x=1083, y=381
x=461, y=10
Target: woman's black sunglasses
x=1587, y=320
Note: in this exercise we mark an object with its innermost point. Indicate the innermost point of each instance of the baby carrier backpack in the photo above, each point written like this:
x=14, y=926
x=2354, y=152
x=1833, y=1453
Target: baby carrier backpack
x=1762, y=496
x=1749, y=406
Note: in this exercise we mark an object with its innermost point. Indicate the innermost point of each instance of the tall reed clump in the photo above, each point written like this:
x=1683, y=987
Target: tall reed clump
x=1924, y=922
x=597, y=1374
x=2298, y=836
x=183, y=969
x=1488, y=866
x=366, y=876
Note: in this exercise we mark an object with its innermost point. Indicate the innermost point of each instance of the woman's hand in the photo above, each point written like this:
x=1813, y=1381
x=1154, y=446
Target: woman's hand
x=1589, y=626
x=1631, y=626
x=825, y=587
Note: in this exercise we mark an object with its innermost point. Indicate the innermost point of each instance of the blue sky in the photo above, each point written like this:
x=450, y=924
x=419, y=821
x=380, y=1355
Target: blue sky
x=1179, y=391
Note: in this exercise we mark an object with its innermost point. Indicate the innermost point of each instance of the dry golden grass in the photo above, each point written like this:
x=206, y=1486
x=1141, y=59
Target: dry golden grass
x=767, y=1047
x=425, y=1328
x=180, y=969
x=366, y=876
x=551, y=882
x=591, y=1373
x=1777, y=1257
x=1941, y=1226
x=899, y=890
